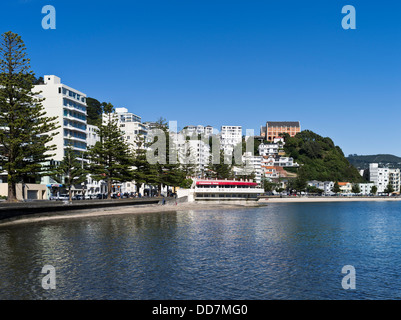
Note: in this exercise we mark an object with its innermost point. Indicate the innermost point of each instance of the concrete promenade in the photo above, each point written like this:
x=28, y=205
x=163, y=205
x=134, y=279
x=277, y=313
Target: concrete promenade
x=9, y=211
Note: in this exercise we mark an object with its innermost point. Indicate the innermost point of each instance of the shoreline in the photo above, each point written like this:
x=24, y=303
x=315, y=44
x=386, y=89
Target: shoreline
x=326, y=199
x=127, y=210
x=171, y=207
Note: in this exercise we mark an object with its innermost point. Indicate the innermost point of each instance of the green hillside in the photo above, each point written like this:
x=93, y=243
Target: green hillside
x=319, y=158
x=362, y=161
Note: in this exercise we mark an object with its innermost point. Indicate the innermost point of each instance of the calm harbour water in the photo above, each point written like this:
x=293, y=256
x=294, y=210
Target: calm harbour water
x=282, y=251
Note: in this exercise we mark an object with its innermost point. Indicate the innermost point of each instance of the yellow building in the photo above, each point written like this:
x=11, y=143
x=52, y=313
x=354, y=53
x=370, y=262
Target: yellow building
x=345, y=187
x=27, y=191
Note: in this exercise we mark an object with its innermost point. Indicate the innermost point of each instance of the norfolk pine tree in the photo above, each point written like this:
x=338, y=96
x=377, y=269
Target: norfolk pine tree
x=110, y=159
x=71, y=171
x=25, y=131
x=141, y=165
x=166, y=172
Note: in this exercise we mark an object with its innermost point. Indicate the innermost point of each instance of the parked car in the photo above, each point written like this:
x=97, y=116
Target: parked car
x=63, y=197
x=101, y=196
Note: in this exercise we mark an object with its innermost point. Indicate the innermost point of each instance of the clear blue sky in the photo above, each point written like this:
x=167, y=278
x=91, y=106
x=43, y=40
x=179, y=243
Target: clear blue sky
x=216, y=62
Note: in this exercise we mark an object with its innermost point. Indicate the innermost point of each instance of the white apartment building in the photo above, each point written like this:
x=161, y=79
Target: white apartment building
x=277, y=161
x=382, y=177
x=125, y=116
x=134, y=131
x=394, y=179
x=252, y=164
x=230, y=136
x=379, y=176
x=285, y=162
x=268, y=149
x=326, y=186
x=193, y=152
x=69, y=105
x=130, y=125
x=92, y=135
x=365, y=188
x=199, y=129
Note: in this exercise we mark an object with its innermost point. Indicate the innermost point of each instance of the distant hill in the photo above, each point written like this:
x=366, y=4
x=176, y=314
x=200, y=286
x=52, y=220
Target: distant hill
x=320, y=158
x=362, y=161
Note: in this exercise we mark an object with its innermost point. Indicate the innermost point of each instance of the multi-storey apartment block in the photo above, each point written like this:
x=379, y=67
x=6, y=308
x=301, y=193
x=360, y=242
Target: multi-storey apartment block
x=230, y=137
x=199, y=129
x=193, y=152
x=69, y=105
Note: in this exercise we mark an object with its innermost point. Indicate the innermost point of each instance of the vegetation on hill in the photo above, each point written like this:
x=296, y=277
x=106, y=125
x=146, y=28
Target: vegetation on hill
x=319, y=158
x=362, y=162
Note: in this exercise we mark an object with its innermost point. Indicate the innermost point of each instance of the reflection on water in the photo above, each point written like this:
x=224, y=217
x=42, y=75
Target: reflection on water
x=283, y=251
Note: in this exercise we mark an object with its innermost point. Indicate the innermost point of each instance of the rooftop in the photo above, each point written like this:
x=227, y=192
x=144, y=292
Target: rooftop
x=283, y=124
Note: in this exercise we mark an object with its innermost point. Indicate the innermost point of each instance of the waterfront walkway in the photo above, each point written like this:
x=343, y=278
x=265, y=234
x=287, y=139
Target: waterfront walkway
x=13, y=210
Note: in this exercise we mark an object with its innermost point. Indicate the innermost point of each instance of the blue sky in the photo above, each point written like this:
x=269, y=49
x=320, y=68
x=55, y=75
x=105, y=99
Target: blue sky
x=229, y=62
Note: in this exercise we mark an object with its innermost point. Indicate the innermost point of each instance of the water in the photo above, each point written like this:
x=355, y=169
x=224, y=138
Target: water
x=283, y=251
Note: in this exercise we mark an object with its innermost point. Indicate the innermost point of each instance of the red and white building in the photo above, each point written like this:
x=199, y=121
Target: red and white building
x=224, y=190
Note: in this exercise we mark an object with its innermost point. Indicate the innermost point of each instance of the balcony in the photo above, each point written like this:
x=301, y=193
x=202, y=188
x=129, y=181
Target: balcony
x=71, y=108
x=71, y=127
x=69, y=117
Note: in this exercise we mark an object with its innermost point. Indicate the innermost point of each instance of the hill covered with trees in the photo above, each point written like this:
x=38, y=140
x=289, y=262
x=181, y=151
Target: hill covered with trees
x=362, y=161
x=319, y=158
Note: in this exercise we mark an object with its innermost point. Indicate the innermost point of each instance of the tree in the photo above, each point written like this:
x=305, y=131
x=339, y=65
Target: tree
x=336, y=188
x=267, y=185
x=220, y=170
x=142, y=167
x=94, y=110
x=189, y=164
x=355, y=188
x=186, y=183
x=25, y=131
x=39, y=80
x=373, y=190
x=389, y=189
x=313, y=189
x=161, y=123
x=110, y=159
x=167, y=169
x=300, y=182
x=319, y=158
x=71, y=171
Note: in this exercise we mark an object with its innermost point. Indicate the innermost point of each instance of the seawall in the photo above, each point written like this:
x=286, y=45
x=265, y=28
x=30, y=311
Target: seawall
x=10, y=211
